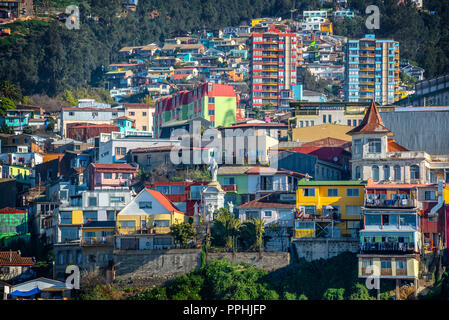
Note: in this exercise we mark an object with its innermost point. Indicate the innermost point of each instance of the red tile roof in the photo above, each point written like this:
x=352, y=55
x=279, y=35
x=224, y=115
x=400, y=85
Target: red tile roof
x=393, y=146
x=101, y=167
x=371, y=123
x=13, y=258
x=163, y=200
x=138, y=105
x=9, y=210
x=257, y=204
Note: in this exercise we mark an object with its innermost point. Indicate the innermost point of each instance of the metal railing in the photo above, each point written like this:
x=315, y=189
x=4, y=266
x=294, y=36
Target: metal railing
x=97, y=241
x=398, y=247
x=385, y=203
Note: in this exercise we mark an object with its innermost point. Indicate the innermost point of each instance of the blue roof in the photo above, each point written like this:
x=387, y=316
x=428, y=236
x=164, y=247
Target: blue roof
x=32, y=292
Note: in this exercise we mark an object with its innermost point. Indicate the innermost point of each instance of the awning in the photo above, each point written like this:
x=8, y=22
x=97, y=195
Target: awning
x=18, y=293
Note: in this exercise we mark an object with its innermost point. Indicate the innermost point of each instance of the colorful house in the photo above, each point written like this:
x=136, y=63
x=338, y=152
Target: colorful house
x=111, y=175
x=13, y=221
x=97, y=233
x=125, y=124
x=216, y=103
x=183, y=194
x=149, y=212
x=340, y=201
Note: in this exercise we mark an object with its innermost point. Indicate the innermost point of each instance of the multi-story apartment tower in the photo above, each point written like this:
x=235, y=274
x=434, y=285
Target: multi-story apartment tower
x=372, y=70
x=273, y=68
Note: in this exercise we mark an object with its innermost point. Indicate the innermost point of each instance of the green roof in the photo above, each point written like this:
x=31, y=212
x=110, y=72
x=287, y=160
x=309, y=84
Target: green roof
x=304, y=182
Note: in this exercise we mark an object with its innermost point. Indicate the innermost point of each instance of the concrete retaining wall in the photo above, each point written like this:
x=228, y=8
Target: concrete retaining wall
x=313, y=249
x=155, y=263
x=269, y=260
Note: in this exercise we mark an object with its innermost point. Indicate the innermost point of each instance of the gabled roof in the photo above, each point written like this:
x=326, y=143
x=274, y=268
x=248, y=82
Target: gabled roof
x=328, y=154
x=13, y=258
x=163, y=200
x=371, y=123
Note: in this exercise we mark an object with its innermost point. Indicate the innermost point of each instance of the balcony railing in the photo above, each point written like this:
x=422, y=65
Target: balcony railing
x=384, y=203
x=98, y=241
x=388, y=247
x=229, y=187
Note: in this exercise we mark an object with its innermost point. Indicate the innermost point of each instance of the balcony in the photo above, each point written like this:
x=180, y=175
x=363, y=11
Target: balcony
x=384, y=203
x=98, y=241
x=387, y=247
x=229, y=187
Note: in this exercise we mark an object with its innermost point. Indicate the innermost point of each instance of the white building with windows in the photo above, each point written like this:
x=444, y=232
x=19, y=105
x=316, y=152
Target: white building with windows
x=376, y=155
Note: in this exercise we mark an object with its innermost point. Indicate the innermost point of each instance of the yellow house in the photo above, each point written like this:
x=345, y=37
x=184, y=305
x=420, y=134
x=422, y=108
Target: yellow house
x=142, y=114
x=98, y=233
x=340, y=200
x=389, y=267
x=149, y=212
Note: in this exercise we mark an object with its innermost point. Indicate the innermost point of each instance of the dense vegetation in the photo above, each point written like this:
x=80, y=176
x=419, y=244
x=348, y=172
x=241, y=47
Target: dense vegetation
x=332, y=279
x=47, y=58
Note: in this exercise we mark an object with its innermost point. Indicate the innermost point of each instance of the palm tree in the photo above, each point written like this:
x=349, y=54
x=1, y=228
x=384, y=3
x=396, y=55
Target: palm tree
x=260, y=230
x=230, y=226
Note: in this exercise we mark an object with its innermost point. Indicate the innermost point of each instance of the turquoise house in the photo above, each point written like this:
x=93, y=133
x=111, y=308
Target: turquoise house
x=15, y=122
x=125, y=124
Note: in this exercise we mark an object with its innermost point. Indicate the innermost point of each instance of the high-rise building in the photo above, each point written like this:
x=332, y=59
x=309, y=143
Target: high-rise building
x=372, y=70
x=273, y=68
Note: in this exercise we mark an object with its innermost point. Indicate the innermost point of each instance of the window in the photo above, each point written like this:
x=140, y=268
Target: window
x=117, y=199
x=385, y=219
x=63, y=194
x=127, y=224
x=374, y=145
x=107, y=175
x=177, y=189
x=144, y=113
x=144, y=128
x=161, y=223
x=308, y=192
x=310, y=209
x=211, y=99
x=375, y=173
x=352, y=192
x=92, y=201
x=357, y=146
x=324, y=118
x=386, y=172
x=211, y=112
x=401, y=265
x=385, y=264
x=430, y=195
x=414, y=172
x=332, y=192
x=329, y=117
x=397, y=173
x=357, y=173
x=120, y=150
x=131, y=113
x=145, y=204
x=268, y=214
x=90, y=215
x=353, y=210
x=163, y=189
x=125, y=175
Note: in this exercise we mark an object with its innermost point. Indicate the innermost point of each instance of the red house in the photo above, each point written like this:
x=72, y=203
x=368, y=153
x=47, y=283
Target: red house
x=183, y=194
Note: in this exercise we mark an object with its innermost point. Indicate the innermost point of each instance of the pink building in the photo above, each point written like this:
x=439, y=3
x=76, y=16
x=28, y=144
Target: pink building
x=111, y=174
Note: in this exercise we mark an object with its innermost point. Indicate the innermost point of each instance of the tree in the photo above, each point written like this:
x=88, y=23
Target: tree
x=5, y=129
x=11, y=91
x=226, y=228
x=68, y=96
x=148, y=100
x=5, y=105
x=360, y=292
x=334, y=294
x=27, y=130
x=183, y=233
x=260, y=230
